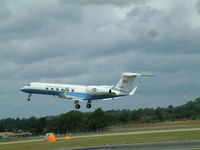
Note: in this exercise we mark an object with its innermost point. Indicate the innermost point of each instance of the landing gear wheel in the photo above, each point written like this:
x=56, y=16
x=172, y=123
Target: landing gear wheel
x=88, y=105
x=29, y=97
x=77, y=106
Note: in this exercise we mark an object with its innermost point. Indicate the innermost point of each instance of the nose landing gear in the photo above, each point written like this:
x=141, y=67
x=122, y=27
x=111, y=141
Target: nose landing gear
x=29, y=97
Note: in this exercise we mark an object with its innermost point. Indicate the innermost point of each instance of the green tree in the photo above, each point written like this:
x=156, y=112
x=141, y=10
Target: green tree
x=2, y=128
x=125, y=116
x=97, y=120
x=74, y=121
x=159, y=114
x=29, y=124
x=134, y=116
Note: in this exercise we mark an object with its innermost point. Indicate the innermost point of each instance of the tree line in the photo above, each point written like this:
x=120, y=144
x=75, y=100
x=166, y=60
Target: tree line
x=76, y=121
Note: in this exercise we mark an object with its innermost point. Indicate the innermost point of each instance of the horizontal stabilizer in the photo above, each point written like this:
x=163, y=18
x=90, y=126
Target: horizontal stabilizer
x=129, y=74
x=146, y=75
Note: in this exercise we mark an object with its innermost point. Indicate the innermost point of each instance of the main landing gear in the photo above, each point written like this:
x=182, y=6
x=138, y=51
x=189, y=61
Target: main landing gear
x=77, y=105
x=29, y=97
x=88, y=105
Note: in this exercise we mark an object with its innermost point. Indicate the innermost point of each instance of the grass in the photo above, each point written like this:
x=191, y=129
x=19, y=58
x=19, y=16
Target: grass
x=155, y=126
x=131, y=127
x=105, y=140
x=20, y=139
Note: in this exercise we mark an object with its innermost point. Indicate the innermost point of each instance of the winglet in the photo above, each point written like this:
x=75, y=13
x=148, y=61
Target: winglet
x=133, y=91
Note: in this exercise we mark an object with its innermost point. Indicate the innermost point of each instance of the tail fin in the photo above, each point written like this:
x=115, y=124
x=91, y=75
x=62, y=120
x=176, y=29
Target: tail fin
x=125, y=84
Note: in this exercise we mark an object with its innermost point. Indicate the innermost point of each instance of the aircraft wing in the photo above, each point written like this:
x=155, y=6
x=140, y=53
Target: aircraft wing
x=72, y=98
x=109, y=99
x=76, y=98
x=65, y=96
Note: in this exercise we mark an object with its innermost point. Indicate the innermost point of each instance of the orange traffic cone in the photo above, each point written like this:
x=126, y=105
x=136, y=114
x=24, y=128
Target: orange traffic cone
x=52, y=138
x=67, y=137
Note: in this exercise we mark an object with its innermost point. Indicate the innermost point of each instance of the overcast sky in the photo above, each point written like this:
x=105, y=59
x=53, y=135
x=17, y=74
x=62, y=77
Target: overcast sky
x=93, y=42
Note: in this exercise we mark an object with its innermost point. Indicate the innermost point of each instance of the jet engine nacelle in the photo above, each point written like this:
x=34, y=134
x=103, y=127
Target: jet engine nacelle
x=98, y=90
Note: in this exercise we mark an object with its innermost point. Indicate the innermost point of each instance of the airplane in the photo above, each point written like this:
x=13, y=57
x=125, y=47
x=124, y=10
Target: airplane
x=80, y=93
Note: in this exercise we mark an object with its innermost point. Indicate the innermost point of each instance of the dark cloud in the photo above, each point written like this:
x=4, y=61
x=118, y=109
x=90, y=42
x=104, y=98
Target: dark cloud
x=93, y=42
x=198, y=6
x=102, y=2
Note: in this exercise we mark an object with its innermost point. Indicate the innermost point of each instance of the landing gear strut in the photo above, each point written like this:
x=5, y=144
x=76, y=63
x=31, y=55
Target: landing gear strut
x=77, y=106
x=29, y=97
x=89, y=104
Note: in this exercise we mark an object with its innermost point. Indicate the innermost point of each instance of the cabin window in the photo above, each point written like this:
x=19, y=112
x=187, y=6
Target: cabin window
x=67, y=90
x=47, y=88
x=57, y=89
x=62, y=89
x=28, y=84
x=72, y=90
x=52, y=89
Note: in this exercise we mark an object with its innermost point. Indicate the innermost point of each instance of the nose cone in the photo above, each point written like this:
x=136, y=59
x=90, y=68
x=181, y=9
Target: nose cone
x=22, y=89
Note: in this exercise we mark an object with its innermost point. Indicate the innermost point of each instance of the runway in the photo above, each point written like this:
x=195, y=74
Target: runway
x=178, y=145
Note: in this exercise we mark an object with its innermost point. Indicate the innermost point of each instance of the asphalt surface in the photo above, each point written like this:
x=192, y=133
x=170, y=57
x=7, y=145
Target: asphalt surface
x=178, y=145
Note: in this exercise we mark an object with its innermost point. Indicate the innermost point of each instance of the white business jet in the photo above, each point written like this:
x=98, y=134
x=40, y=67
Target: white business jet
x=85, y=93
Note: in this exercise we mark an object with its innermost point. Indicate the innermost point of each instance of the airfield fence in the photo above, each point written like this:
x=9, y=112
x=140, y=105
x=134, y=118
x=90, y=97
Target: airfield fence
x=31, y=136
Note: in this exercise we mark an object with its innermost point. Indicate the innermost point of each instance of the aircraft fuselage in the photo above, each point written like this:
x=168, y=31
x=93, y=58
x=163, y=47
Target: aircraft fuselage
x=70, y=91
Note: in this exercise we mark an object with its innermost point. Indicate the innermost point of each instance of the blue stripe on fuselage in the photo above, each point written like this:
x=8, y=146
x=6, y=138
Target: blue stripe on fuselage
x=83, y=96
x=36, y=91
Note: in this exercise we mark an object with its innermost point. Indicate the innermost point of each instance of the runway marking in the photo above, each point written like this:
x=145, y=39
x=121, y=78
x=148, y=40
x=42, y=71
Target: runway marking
x=104, y=134
x=22, y=141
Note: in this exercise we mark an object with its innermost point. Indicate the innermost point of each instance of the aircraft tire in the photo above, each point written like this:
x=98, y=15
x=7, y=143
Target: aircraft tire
x=88, y=105
x=77, y=106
